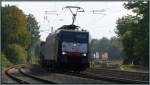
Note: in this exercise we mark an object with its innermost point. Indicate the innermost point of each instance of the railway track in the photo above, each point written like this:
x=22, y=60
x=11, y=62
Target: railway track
x=127, y=76
x=28, y=74
x=114, y=79
x=64, y=78
x=16, y=74
x=107, y=78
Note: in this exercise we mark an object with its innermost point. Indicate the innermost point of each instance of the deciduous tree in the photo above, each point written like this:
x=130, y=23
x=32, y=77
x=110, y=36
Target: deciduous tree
x=134, y=32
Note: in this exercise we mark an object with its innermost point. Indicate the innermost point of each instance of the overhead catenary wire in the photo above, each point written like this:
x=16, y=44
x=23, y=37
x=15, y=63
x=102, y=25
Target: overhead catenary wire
x=78, y=3
x=54, y=12
x=99, y=20
x=89, y=24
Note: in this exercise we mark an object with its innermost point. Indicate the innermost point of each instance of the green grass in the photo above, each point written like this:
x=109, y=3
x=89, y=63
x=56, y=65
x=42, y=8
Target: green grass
x=128, y=67
x=4, y=62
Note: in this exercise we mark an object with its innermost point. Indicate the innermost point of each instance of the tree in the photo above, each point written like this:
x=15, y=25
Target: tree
x=134, y=32
x=16, y=53
x=33, y=29
x=13, y=29
x=15, y=37
x=125, y=28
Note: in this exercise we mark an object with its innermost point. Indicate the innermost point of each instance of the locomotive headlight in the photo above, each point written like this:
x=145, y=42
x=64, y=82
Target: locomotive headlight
x=63, y=53
x=84, y=54
x=74, y=44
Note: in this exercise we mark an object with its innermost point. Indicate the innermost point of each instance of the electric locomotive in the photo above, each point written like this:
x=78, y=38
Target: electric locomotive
x=66, y=48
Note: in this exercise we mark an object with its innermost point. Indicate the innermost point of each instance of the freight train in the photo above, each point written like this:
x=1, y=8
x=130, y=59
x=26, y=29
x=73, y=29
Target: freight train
x=66, y=49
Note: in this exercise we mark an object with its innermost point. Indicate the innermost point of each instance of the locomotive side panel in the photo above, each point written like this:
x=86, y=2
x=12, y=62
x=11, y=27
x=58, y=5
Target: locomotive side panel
x=50, y=48
x=42, y=47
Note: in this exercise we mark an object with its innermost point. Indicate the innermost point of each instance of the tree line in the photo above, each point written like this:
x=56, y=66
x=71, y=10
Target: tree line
x=19, y=35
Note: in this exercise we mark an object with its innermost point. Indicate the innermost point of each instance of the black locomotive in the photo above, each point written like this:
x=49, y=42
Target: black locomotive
x=67, y=48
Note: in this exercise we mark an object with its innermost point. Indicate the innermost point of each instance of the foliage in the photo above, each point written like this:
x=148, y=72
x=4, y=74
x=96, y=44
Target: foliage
x=126, y=27
x=112, y=46
x=134, y=32
x=13, y=29
x=19, y=33
x=15, y=36
x=16, y=54
x=4, y=61
x=33, y=29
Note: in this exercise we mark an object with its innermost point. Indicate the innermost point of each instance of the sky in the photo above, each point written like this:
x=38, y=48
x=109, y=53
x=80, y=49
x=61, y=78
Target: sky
x=102, y=24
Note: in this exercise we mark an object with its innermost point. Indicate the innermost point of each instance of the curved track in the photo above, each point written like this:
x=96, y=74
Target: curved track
x=19, y=74
x=16, y=74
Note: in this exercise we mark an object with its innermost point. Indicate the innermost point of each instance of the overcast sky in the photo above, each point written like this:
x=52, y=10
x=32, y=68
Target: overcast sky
x=99, y=25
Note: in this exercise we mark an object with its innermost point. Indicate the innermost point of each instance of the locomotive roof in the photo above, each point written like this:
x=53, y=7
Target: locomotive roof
x=69, y=28
x=72, y=28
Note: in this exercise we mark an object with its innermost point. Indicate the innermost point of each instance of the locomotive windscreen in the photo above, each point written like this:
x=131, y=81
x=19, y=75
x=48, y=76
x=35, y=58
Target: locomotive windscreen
x=74, y=47
x=74, y=41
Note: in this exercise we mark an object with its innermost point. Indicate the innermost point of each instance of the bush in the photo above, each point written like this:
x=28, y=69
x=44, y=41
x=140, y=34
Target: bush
x=4, y=61
x=16, y=54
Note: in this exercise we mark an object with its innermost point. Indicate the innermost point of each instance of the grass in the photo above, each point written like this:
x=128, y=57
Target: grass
x=4, y=62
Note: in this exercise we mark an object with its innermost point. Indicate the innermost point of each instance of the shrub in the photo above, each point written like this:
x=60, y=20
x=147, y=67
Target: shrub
x=4, y=61
x=16, y=54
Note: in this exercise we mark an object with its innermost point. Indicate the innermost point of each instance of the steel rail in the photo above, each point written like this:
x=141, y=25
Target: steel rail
x=27, y=75
x=13, y=77
x=107, y=78
x=35, y=77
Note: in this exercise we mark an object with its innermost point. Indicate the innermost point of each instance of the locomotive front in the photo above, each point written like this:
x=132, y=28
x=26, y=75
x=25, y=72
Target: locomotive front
x=73, y=49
